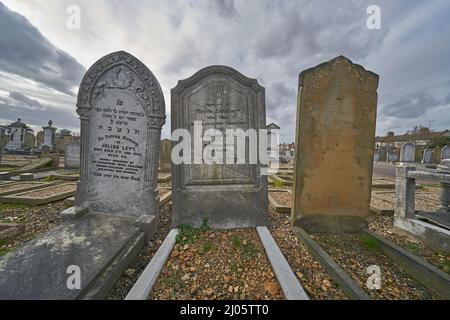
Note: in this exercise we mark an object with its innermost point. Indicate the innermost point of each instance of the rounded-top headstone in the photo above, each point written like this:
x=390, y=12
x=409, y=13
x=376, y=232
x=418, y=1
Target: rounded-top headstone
x=122, y=111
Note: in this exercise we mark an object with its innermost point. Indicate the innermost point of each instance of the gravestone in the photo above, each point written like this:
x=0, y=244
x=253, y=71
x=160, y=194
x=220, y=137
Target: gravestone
x=121, y=107
x=165, y=162
x=418, y=153
x=445, y=153
x=2, y=137
x=436, y=155
x=382, y=153
x=49, y=136
x=427, y=155
x=335, y=136
x=376, y=155
x=392, y=156
x=407, y=152
x=228, y=195
x=72, y=155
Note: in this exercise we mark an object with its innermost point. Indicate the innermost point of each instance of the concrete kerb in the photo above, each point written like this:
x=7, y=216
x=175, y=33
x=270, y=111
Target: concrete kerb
x=144, y=285
x=345, y=282
x=424, y=272
x=289, y=283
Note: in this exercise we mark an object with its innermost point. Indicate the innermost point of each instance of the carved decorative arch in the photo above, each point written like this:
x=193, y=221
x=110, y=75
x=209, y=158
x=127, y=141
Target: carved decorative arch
x=121, y=70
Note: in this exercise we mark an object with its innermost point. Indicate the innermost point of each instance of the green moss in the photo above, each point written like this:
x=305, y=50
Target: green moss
x=9, y=206
x=369, y=242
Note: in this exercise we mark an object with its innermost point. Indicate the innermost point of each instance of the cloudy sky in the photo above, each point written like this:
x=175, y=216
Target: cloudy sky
x=42, y=61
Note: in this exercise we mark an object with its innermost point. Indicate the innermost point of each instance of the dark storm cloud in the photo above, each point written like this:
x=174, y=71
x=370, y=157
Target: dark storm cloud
x=27, y=53
x=32, y=112
x=413, y=105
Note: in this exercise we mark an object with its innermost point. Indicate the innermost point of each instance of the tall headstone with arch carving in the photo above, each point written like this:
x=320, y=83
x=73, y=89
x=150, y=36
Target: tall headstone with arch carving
x=122, y=111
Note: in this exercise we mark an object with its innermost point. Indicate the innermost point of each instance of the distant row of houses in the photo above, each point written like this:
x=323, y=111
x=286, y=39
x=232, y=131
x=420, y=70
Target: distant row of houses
x=422, y=137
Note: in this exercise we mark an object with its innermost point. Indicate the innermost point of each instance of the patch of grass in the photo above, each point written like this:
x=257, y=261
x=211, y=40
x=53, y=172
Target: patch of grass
x=48, y=179
x=234, y=266
x=172, y=281
x=248, y=251
x=237, y=242
x=412, y=246
x=207, y=247
x=278, y=184
x=188, y=234
x=369, y=242
x=9, y=206
x=3, y=251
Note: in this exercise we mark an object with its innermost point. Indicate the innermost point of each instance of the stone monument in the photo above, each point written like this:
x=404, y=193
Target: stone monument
x=407, y=152
x=165, y=162
x=231, y=195
x=72, y=155
x=336, y=115
x=427, y=155
x=49, y=136
x=445, y=153
x=122, y=111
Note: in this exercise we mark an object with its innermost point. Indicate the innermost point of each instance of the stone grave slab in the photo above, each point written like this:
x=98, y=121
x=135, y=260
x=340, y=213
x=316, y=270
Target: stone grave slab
x=38, y=270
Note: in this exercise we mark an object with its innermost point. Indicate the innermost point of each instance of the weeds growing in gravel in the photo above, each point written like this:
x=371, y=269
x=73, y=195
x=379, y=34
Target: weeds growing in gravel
x=248, y=251
x=8, y=206
x=207, y=247
x=369, y=242
x=188, y=234
x=236, y=242
x=48, y=179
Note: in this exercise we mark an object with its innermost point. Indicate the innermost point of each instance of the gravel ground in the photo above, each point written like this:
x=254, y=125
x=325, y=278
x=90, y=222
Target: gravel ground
x=313, y=278
x=31, y=220
x=217, y=265
x=282, y=197
x=384, y=226
x=130, y=276
x=353, y=254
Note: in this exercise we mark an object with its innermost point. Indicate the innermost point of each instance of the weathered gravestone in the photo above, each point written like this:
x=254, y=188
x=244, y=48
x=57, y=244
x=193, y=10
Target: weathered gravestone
x=407, y=152
x=2, y=137
x=445, y=153
x=49, y=136
x=121, y=108
x=165, y=162
x=436, y=155
x=227, y=195
x=418, y=153
x=72, y=155
x=382, y=154
x=392, y=155
x=427, y=155
x=376, y=155
x=334, y=146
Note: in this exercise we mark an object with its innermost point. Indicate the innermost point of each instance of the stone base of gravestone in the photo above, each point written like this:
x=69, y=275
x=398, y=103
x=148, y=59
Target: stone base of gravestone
x=222, y=209
x=99, y=246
